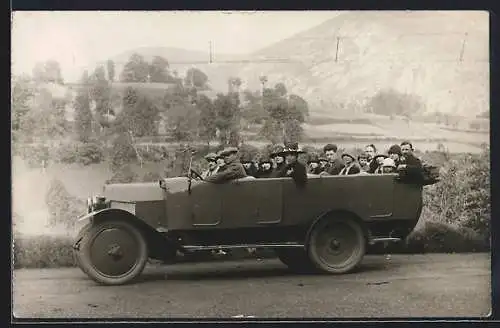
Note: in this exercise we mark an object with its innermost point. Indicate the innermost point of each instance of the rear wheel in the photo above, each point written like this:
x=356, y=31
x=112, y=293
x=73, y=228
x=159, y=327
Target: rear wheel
x=113, y=252
x=295, y=259
x=336, y=245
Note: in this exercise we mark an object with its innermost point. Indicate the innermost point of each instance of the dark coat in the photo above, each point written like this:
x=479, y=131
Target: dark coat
x=264, y=174
x=335, y=167
x=413, y=170
x=251, y=171
x=296, y=171
x=373, y=165
x=353, y=169
x=277, y=171
x=317, y=170
x=231, y=171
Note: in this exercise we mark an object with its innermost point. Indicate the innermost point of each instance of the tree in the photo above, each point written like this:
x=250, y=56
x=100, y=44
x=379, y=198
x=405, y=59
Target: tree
x=110, y=64
x=83, y=114
x=139, y=114
x=195, y=77
x=49, y=71
x=252, y=110
x=391, y=102
x=182, y=123
x=135, y=70
x=22, y=93
x=280, y=89
x=228, y=116
x=100, y=94
x=208, y=115
x=158, y=70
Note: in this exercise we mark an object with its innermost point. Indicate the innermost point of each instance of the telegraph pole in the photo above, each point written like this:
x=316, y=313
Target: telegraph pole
x=463, y=48
x=337, y=50
x=210, y=52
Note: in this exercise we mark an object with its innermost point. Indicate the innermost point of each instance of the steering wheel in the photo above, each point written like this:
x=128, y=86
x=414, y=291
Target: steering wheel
x=196, y=174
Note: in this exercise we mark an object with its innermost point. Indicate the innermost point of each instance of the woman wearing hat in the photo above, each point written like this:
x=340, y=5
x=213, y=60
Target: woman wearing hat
x=350, y=165
x=395, y=154
x=265, y=168
x=293, y=168
x=378, y=160
x=388, y=166
x=278, y=161
x=313, y=165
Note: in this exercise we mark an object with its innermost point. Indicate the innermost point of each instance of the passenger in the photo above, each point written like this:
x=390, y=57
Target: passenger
x=211, y=159
x=335, y=164
x=265, y=168
x=378, y=160
x=293, y=168
x=363, y=162
x=350, y=165
x=395, y=153
x=322, y=163
x=248, y=166
x=410, y=166
x=388, y=166
x=313, y=165
x=221, y=164
x=232, y=169
x=371, y=151
x=278, y=161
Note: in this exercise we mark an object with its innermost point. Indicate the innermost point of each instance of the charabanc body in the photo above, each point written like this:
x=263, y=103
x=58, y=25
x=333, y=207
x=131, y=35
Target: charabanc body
x=325, y=226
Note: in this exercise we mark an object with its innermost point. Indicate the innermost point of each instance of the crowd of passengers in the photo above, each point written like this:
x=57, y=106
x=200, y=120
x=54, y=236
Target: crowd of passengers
x=283, y=162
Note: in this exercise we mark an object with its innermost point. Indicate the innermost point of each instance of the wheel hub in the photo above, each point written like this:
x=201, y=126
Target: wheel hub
x=114, y=252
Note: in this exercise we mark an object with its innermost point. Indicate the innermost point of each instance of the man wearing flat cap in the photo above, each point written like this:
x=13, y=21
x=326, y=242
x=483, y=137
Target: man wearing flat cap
x=211, y=159
x=293, y=168
x=265, y=167
x=350, y=165
x=232, y=170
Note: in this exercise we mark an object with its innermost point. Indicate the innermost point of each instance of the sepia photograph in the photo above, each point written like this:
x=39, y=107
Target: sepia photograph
x=250, y=164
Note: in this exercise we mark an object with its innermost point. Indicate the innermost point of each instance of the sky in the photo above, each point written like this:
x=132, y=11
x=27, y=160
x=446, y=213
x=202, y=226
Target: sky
x=78, y=39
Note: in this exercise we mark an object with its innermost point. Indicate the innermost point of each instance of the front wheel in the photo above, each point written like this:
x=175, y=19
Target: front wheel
x=336, y=245
x=113, y=252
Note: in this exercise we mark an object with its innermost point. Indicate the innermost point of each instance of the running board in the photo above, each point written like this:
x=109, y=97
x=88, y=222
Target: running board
x=383, y=239
x=214, y=247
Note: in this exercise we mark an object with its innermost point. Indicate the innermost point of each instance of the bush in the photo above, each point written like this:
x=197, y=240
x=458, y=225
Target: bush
x=63, y=208
x=35, y=155
x=124, y=174
x=42, y=252
x=462, y=197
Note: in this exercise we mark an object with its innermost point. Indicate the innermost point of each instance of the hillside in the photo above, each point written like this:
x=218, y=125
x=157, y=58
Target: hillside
x=415, y=52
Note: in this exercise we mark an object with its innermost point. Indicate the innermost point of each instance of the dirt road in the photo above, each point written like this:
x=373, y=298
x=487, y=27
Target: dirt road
x=405, y=285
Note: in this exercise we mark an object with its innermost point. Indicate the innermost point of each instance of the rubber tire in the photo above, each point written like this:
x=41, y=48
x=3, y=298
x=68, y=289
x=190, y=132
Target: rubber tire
x=352, y=262
x=296, y=259
x=77, y=253
x=85, y=260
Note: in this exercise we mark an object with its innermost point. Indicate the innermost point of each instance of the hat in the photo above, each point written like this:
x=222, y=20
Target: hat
x=348, y=155
x=228, y=150
x=388, y=162
x=276, y=151
x=292, y=148
x=380, y=155
x=264, y=160
x=363, y=155
x=395, y=149
x=313, y=158
x=322, y=159
x=211, y=157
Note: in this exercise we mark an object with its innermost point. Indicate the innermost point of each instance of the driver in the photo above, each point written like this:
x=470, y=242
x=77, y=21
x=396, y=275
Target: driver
x=211, y=159
x=232, y=170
